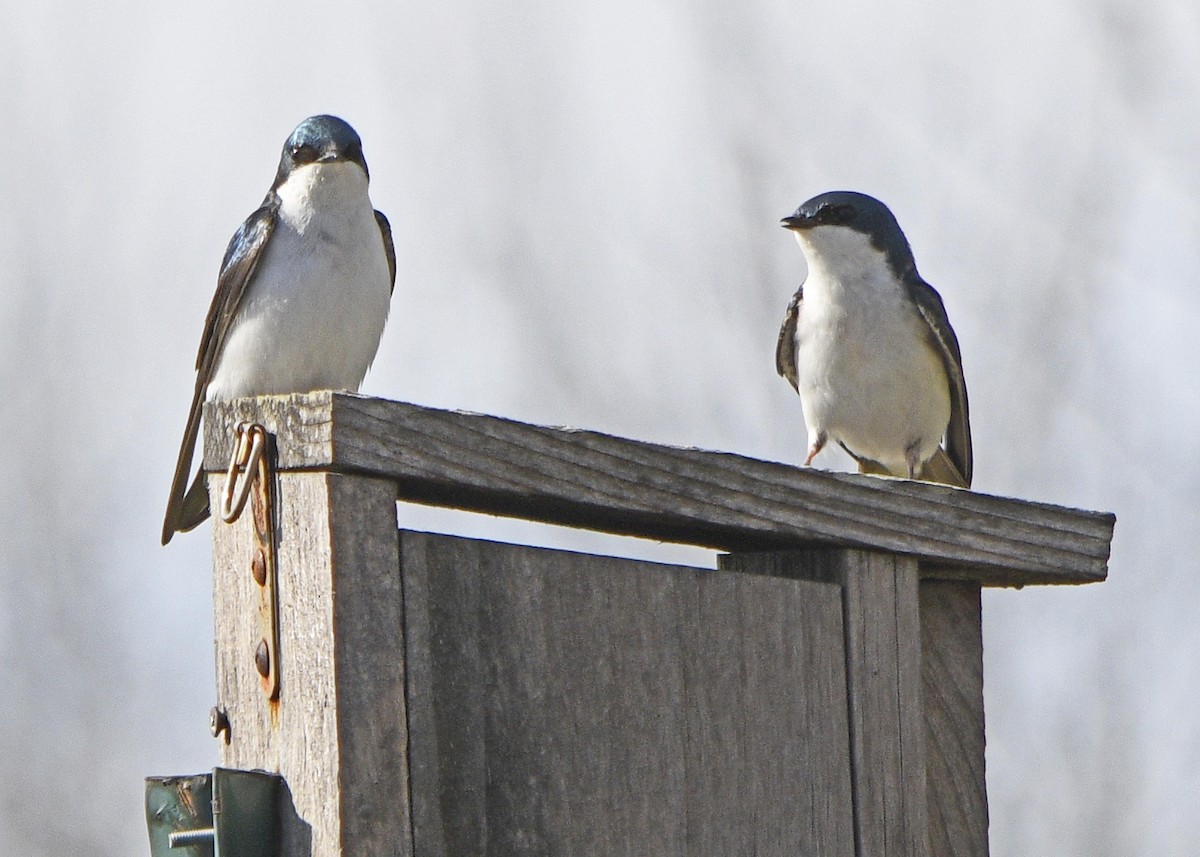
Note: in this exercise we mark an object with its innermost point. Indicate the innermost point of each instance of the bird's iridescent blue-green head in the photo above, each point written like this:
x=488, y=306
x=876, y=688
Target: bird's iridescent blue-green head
x=320, y=139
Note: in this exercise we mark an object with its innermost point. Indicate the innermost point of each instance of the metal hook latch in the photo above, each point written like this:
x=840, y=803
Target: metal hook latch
x=250, y=441
x=249, y=478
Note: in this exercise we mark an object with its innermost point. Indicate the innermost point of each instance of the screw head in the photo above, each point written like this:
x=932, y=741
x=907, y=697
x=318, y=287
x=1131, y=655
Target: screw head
x=218, y=722
x=262, y=659
x=258, y=567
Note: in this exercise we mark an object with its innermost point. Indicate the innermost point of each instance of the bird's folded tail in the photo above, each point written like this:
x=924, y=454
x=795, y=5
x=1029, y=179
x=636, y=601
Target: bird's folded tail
x=187, y=509
x=191, y=511
x=194, y=510
x=939, y=468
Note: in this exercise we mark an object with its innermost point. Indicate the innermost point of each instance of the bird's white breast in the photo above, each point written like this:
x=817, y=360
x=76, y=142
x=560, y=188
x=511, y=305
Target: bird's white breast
x=868, y=374
x=313, y=314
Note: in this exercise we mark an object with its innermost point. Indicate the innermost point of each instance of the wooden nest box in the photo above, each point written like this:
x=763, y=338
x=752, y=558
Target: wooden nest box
x=821, y=693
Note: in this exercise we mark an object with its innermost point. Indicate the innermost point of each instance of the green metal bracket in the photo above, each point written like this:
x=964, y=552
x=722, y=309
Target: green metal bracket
x=228, y=813
x=177, y=804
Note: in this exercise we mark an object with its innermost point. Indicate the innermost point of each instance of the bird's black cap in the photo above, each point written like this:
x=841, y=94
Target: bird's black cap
x=864, y=214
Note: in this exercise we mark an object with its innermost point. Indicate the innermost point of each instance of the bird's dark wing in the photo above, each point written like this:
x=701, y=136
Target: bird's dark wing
x=242, y=256
x=385, y=229
x=187, y=509
x=785, y=348
x=958, y=432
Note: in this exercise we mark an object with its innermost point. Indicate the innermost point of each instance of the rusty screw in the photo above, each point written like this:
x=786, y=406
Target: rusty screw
x=218, y=722
x=258, y=567
x=262, y=659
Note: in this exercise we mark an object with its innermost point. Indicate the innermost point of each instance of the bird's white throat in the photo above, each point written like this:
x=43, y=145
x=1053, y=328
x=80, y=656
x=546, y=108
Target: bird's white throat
x=842, y=260
x=335, y=189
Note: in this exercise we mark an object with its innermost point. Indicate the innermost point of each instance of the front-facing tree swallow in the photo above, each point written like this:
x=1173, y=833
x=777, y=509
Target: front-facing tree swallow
x=302, y=295
x=867, y=345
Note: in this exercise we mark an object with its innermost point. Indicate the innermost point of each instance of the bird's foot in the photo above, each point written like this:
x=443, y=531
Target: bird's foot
x=816, y=446
x=912, y=457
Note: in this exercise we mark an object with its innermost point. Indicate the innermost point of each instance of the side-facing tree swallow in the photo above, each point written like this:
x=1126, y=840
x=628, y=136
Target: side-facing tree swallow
x=867, y=345
x=302, y=296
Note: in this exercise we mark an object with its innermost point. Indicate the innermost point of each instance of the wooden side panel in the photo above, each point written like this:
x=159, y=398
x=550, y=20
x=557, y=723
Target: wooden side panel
x=570, y=704
x=882, y=648
x=338, y=731
x=952, y=663
x=883, y=662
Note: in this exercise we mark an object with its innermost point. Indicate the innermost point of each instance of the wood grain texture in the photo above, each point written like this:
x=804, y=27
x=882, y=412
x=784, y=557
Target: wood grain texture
x=720, y=500
x=569, y=704
x=952, y=666
x=337, y=732
x=882, y=648
x=883, y=667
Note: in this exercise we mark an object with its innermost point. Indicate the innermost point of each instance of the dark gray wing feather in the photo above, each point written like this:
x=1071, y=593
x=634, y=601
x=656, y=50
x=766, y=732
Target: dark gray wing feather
x=785, y=348
x=385, y=229
x=958, y=432
x=242, y=256
x=237, y=268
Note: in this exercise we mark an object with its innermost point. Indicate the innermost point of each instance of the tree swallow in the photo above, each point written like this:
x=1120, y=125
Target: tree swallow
x=302, y=295
x=867, y=345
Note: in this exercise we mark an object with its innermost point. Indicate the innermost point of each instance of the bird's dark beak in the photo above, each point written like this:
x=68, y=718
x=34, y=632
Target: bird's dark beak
x=331, y=154
x=795, y=221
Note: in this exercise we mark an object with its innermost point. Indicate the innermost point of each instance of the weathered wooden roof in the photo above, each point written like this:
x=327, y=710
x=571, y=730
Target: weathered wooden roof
x=720, y=500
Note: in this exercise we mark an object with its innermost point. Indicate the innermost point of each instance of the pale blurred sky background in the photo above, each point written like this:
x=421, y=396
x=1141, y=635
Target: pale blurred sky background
x=585, y=200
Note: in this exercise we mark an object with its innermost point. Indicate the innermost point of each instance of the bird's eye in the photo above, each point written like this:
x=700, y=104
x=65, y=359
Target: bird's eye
x=303, y=154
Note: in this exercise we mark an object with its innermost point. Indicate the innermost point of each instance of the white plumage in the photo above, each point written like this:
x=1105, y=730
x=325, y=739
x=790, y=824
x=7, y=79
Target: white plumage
x=868, y=375
x=312, y=317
